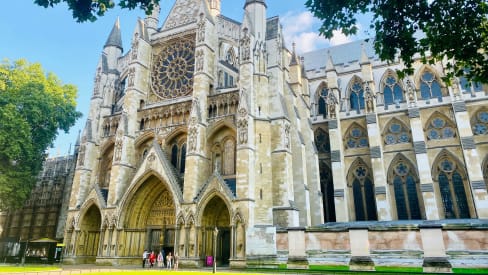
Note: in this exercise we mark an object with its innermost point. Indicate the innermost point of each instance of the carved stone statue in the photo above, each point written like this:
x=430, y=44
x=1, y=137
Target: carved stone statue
x=331, y=105
x=369, y=97
x=245, y=46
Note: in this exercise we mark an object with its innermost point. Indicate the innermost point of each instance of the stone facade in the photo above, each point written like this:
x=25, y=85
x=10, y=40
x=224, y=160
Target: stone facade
x=209, y=135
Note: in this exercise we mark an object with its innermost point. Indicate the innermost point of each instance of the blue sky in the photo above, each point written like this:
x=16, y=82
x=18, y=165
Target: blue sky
x=71, y=50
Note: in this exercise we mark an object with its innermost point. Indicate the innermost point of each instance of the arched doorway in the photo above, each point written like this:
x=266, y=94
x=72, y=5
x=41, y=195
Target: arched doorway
x=89, y=235
x=216, y=215
x=149, y=222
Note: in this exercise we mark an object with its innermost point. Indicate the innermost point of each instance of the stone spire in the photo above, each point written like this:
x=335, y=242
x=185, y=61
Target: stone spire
x=330, y=63
x=364, y=56
x=294, y=60
x=115, y=38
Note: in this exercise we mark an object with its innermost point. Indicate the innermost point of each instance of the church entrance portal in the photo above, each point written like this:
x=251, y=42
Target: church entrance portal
x=89, y=236
x=150, y=219
x=216, y=215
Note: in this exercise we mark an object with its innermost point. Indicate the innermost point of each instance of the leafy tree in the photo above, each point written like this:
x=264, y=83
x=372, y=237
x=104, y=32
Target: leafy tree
x=90, y=10
x=33, y=106
x=434, y=29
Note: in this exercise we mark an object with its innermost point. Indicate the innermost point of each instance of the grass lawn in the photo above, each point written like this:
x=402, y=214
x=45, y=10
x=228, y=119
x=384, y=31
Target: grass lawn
x=27, y=268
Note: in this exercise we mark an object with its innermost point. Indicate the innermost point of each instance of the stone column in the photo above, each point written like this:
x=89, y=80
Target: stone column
x=435, y=258
x=382, y=193
x=423, y=165
x=297, y=256
x=360, y=254
x=472, y=161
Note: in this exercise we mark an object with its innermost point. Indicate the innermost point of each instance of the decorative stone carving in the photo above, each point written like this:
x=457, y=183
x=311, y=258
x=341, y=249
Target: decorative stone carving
x=331, y=105
x=286, y=135
x=242, y=126
x=81, y=157
x=410, y=92
x=192, y=135
x=118, y=145
x=131, y=77
x=135, y=45
x=245, y=44
x=201, y=29
x=369, y=98
x=200, y=60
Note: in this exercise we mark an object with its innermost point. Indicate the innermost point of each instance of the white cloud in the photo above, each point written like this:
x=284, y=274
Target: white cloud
x=302, y=29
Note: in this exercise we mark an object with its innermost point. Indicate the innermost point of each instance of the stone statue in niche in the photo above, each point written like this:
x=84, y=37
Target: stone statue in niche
x=286, y=135
x=410, y=92
x=201, y=29
x=245, y=46
x=131, y=77
x=331, y=105
x=369, y=98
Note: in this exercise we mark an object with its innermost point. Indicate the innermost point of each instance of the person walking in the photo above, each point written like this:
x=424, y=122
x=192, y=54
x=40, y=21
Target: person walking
x=160, y=259
x=144, y=258
x=169, y=260
x=152, y=259
x=175, y=261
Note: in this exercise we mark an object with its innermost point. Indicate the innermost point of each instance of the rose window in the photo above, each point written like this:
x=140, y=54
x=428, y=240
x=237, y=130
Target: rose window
x=173, y=68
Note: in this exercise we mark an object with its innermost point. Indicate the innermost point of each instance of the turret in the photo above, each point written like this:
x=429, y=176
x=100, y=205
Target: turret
x=113, y=47
x=214, y=7
x=152, y=20
x=257, y=13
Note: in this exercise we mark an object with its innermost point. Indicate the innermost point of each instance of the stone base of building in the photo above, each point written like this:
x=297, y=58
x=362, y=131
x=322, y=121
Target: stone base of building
x=437, y=265
x=79, y=260
x=237, y=263
x=190, y=263
x=269, y=261
x=363, y=263
x=297, y=263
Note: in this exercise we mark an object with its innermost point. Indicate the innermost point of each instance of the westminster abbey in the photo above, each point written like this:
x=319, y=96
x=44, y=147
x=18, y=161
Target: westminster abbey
x=209, y=138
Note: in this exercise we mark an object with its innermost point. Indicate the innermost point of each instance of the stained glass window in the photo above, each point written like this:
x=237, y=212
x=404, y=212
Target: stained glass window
x=406, y=192
x=363, y=192
x=322, y=141
x=440, y=128
x=452, y=189
x=172, y=73
x=356, y=96
x=396, y=133
x=429, y=86
x=480, y=123
x=327, y=188
x=392, y=92
x=357, y=138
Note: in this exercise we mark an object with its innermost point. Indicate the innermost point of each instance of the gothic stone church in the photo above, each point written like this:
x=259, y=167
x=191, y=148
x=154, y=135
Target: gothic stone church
x=208, y=137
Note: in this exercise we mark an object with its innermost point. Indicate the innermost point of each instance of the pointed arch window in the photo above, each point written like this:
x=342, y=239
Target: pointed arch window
x=480, y=123
x=363, y=192
x=440, y=128
x=392, y=91
x=322, y=101
x=396, y=133
x=406, y=190
x=327, y=189
x=452, y=189
x=322, y=141
x=356, y=95
x=356, y=137
x=429, y=86
x=178, y=156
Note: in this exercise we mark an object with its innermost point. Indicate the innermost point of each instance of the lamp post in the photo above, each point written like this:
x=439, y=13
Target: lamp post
x=215, y=233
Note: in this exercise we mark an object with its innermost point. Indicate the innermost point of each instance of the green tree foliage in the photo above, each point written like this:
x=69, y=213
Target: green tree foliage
x=90, y=10
x=435, y=29
x=33, y=106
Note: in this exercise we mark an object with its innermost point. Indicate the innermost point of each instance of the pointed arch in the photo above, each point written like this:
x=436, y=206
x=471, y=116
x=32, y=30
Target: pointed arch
x=321, y=95
x=322, y=140
x=429, y=84
x=396, y=132
x=327, y=190
x=355, y=94
x=361, y=187
x=391, y=88
x=404, y=183
x=451, y=178
x=439, y=126
x=356, y=137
